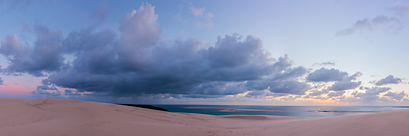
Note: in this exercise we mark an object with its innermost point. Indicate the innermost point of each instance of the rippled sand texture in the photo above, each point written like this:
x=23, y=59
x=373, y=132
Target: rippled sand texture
x=41, y=117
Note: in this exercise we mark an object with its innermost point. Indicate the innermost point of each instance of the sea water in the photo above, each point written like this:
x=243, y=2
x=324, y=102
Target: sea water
x=295, y=111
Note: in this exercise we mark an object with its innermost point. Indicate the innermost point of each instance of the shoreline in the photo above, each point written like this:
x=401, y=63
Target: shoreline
x=40, y=117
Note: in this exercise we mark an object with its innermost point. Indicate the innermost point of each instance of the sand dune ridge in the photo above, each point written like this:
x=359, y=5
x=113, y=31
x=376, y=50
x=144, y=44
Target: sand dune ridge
x=20, y=117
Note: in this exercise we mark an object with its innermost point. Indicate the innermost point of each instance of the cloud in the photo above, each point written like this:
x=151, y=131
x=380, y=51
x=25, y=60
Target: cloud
x=283, y=79
x=71, y=93
x=330, y=63
x=197, y=11
x=400, y=8
x=15, y=4
x=360, y=25
x=396, y=96
x=363, y=88
x=354, y=76
x=335, y=94
x=326, y=75
x=289, y=87
x=218, y=88
x=44, y=57
x=230, y=52
x=376, y=90
x=11, y=45
x=139, y=28
x=44, y=90
x=387, y=24
x=139, y=63
x=85, y=40
x=203, y=19
x=26, y=27
x=1, y=81
x=101, y=13
x=184, y=67
x=371, y=95
x=344, y=85
x=343, y=81
x=207, y=21
x=287, y=73
x=388, y=80
x=259, y=93
x=178, y=17
x=318, y=92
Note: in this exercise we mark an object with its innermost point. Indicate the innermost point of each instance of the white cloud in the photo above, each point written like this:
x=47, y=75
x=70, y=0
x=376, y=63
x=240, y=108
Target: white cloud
x=197, y=11
x=401, y=8
x=387, y=24
x=203, y=19
x=207, y=21
x=330, y=63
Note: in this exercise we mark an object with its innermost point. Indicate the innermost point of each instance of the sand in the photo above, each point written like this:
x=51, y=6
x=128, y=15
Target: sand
x=57, y=117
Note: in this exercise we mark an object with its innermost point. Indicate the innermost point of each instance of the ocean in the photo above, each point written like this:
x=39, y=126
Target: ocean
x=295, y=111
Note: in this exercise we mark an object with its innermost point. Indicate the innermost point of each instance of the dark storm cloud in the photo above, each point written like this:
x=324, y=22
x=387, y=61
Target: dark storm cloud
x=282, y=80
x=86, y=40
x=388, y=80
x=71, y=92
x=139, y=63
x=228, y=52
x=43, y=57
x=183, y=68
x=218, y=88
x=288, y=87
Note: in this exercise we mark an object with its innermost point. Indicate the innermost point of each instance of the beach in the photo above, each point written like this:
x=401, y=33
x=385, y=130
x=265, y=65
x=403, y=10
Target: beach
x=60, y=117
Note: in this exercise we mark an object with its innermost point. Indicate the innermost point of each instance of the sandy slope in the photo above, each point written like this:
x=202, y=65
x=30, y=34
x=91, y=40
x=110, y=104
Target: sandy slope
x=54, y=117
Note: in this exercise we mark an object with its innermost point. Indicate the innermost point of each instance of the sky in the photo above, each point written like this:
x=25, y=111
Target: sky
x=239, y=52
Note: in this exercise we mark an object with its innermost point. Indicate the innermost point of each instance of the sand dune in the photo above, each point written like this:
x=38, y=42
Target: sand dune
x=56, y=117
